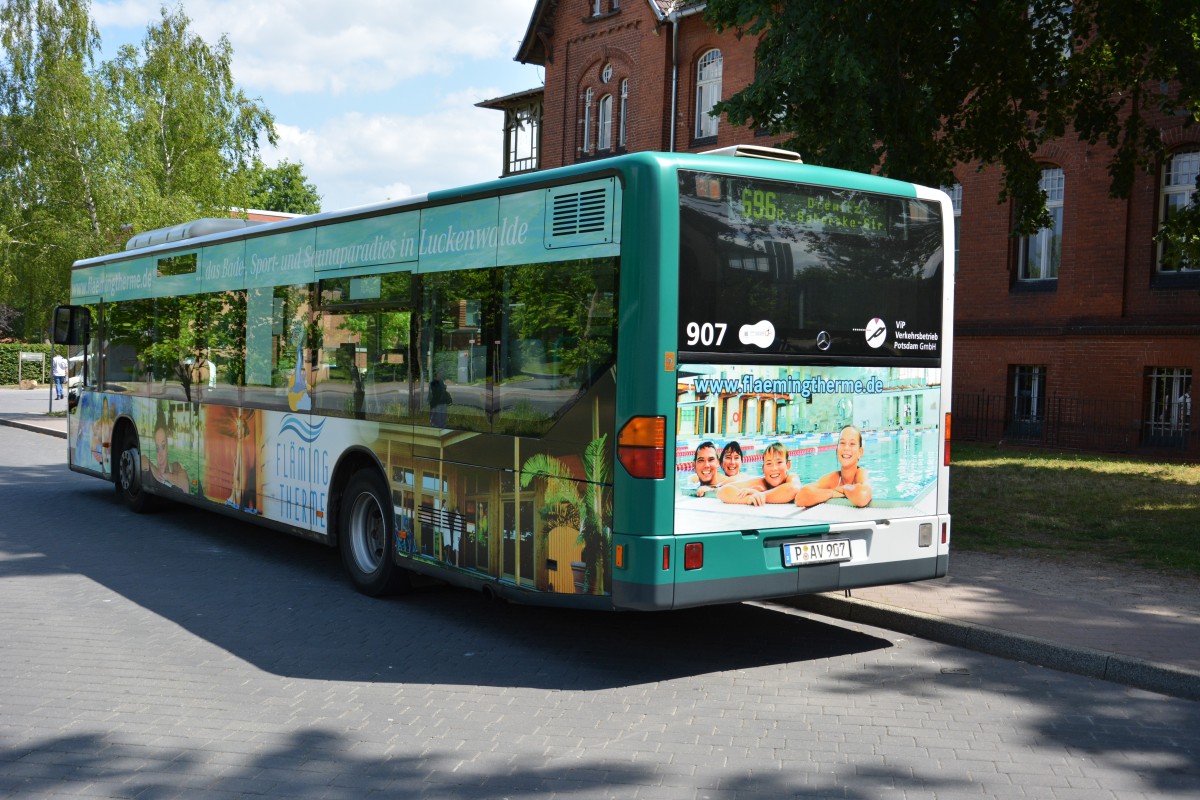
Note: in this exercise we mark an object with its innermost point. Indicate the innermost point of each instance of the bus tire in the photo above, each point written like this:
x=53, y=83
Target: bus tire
x=127, y=475
x=366, y=530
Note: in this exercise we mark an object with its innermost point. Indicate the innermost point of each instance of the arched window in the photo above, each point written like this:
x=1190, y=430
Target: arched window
x=708, y=92
x=604, y=119
x=1041, y=253
x=624, y=112
x=1178, y=185
x=587, y=122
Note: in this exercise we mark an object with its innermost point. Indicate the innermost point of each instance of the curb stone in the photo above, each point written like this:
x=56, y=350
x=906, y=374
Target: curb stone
x=1126, y=670
x=13, y=423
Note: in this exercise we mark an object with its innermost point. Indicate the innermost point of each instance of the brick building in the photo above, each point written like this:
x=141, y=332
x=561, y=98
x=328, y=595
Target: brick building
x=1080, y=336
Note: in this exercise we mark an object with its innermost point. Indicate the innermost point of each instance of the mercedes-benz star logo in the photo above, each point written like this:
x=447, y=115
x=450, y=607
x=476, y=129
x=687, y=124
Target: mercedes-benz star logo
x=823, y=341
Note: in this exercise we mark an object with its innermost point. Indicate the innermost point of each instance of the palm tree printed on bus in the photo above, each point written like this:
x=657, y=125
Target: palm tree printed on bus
x=583, y=506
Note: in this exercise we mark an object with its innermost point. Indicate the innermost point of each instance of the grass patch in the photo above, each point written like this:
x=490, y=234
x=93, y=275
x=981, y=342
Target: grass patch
x=1063, y=506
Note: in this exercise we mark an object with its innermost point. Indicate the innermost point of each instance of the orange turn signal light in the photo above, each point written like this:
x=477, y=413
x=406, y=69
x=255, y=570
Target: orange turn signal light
x=946, y=456
x=641, y=447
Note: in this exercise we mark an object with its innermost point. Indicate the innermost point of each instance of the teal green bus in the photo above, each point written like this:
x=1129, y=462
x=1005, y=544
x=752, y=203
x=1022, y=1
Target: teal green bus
x=647, y=382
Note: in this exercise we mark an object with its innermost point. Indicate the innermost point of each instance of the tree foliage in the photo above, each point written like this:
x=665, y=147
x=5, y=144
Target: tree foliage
x=282, y=187
x=911, y=90
x=159, y=135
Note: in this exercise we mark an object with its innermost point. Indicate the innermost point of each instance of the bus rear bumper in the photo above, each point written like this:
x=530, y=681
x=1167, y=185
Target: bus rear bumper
x=805, y=580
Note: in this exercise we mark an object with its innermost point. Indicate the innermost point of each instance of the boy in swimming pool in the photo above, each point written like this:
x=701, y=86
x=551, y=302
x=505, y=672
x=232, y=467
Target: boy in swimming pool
x=777, y=484
x=849, y=480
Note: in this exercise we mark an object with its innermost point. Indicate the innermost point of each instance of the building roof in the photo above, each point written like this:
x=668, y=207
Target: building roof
x=510, y=100
x=535, y=46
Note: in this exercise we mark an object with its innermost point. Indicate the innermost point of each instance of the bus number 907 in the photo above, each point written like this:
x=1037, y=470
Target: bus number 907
x=707, y=334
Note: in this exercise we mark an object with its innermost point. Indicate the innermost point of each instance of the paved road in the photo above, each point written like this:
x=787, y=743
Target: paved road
x=180, y=654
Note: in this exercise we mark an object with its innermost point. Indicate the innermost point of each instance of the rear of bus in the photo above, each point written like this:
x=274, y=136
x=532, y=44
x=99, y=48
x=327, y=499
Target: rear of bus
x=806, y=324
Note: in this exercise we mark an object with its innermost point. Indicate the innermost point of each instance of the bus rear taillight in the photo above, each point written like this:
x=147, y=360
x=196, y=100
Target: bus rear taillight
x=946, y=455
x=641, y=447
x=693, y=555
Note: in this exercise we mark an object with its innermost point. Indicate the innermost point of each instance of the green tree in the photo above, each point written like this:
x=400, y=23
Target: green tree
x=62, y=181
x=282, y=187
x=192, y=133
x=158, y=136
x=911, y=90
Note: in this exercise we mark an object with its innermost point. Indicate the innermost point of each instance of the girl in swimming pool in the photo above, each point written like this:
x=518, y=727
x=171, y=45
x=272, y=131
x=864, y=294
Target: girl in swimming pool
x=849, y=480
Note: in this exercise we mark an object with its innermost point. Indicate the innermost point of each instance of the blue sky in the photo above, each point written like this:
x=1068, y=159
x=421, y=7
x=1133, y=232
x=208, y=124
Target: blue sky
x=375, y=97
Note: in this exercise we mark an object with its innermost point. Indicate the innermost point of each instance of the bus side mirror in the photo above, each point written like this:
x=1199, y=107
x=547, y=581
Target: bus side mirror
x=71, y=324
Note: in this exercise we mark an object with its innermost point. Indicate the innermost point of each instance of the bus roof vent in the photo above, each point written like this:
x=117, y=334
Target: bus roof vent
x=756, y=151
x=188, y=230
x=580, y=214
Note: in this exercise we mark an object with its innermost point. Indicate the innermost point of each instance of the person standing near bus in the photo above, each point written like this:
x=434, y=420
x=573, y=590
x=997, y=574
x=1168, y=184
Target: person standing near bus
x=849, y=480
x=58, y=368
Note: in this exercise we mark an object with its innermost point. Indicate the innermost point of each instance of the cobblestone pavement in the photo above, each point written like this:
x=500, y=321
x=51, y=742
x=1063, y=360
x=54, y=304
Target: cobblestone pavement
x=183, y=655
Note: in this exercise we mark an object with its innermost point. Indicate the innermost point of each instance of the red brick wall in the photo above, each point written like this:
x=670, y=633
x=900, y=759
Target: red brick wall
x=639, y=49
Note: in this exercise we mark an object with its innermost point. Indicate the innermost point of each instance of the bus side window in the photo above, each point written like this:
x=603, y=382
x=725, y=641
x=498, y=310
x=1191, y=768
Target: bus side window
x=278, y=323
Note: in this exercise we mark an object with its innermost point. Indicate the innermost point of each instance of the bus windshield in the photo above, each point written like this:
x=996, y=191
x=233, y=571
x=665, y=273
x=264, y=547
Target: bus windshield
x=767, y=267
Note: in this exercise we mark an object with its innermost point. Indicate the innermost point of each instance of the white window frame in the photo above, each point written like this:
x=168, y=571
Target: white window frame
x=1178, y=185
x=1029, y=393
x=1169, y=409
x=587, y=122
x=1041, y=253
x=708, y=92
x=604, y=121
x=624, y=112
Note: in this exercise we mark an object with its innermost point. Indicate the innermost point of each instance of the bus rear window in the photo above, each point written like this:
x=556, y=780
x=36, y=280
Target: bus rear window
x=772, y=268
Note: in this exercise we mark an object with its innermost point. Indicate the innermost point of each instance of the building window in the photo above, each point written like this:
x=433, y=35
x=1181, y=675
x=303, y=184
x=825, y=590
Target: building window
x=1168, y=406
x=955, y=193
x=523, y=137
x=1027, y=413
x=1041, y=253
x=624, y=112
x=602, y=7
x=587, y=122
x=708, y=93
x=1179, y=183
x=604, y=119
x=606, y=73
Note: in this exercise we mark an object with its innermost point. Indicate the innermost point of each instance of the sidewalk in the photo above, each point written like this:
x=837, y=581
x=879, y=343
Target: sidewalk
x=29, y=409
x=1125, y=625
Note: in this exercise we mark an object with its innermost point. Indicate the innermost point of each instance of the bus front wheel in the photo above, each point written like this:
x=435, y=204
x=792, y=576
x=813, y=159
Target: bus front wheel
x=128, y=476
x=366, y=531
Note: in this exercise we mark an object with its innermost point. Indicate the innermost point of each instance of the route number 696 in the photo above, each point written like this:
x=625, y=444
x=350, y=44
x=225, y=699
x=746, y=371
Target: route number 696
x=707, y=333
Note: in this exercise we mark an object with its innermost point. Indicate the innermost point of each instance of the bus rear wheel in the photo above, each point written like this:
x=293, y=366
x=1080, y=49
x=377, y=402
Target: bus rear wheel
x=366, y=528
x=127, y=475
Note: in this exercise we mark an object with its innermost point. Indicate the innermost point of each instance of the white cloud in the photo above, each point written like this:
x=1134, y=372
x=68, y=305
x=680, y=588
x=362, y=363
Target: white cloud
x=346, y=47
x=369, y=94
x=357, y=159
x=125, y=13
